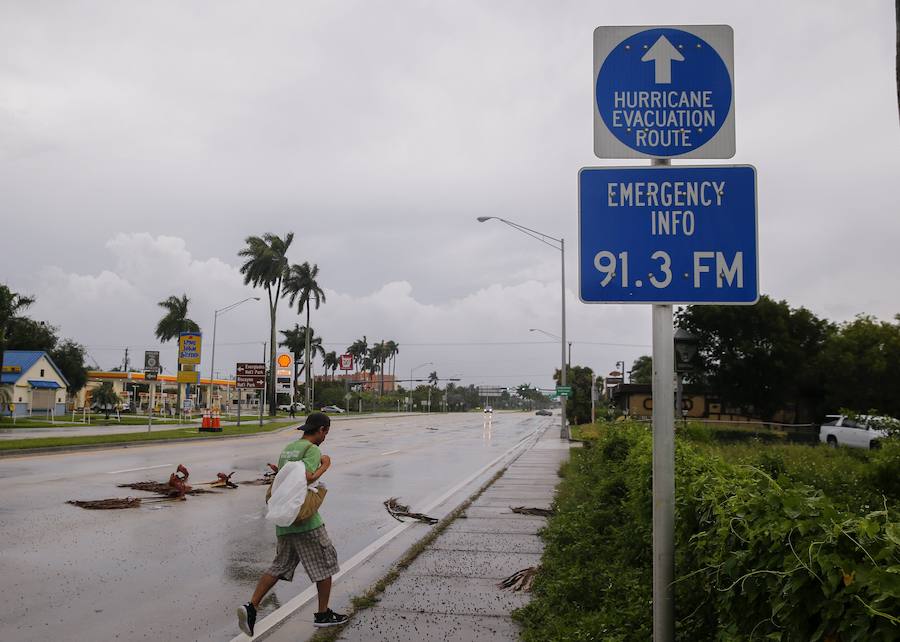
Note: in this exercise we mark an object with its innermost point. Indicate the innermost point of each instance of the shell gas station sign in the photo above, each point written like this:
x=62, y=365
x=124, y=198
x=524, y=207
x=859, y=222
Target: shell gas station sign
x=284, y=372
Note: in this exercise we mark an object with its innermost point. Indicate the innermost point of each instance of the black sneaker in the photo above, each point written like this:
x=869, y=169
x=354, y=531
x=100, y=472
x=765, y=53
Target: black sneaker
x=330, y=618
x=246, y=618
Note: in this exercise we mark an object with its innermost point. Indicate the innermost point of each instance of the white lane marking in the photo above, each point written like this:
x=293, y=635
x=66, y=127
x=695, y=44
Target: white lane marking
x=131, y=470
x=279, y=615
x=390, y=452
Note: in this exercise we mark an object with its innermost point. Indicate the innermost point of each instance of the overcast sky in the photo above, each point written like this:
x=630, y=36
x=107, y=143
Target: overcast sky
x=140, y=143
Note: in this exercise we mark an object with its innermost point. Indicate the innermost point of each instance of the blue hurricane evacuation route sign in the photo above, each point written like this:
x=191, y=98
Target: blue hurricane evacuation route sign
x=668, y=235
x=663, y=92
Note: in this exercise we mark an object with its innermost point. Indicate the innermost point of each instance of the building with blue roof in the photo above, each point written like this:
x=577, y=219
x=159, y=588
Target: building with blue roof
x=34, y=382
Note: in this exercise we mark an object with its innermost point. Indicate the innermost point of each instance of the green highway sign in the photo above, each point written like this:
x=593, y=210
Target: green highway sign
x=565, y=391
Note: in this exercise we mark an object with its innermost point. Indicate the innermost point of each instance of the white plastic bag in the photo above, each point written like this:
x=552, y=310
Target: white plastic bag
x=288, y=493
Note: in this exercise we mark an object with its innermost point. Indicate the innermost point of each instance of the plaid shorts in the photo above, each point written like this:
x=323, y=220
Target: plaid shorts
x=313, y=548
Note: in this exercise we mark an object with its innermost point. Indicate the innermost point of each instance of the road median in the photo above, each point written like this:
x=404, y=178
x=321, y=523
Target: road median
x=14, y=447
x=38, y=445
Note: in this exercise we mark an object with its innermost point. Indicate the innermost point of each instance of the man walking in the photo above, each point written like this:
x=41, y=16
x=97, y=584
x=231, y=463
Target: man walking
x=307, y=542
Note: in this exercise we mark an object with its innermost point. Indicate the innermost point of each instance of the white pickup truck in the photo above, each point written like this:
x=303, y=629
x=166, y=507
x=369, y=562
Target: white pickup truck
x=861, y=431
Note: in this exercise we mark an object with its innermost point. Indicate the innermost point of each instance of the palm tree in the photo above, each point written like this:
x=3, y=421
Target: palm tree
x=330, y=362
x=301, y=285
x=433, y=381
x=11, y=304
x=265, y=266
x=105, y=397
x=358, y=349
x=393, y=349
x=174, y=322
x=380, y=354
x=370, y=362
x=296, y=341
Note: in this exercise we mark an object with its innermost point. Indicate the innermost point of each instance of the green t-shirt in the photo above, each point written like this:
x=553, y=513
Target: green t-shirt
x=307, y=452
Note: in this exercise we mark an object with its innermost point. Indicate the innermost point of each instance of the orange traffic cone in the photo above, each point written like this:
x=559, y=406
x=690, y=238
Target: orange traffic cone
x=216, y=424
x=204, y=423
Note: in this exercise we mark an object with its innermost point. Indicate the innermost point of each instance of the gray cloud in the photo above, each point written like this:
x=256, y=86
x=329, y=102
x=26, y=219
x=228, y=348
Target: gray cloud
x=377, y=132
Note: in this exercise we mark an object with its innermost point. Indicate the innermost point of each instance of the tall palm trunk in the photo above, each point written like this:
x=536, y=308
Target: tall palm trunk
x=306, y=361
x=271, y=394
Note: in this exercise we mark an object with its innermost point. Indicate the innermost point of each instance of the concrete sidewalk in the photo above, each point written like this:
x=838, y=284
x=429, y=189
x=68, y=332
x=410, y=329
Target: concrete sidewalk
x=449, y=593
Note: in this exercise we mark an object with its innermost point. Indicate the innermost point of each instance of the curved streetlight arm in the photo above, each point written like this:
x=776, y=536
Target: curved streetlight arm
x=549, y=334
x=212, y=361
x=234, y=305
x=539, y=236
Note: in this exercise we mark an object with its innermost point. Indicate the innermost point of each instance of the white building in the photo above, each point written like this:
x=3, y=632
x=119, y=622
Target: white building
x=35, y=384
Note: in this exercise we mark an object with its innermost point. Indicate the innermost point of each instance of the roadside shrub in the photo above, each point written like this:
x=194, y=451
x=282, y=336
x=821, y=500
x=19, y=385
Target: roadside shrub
x=701, y=433
x=759, y=555
x=883, y=471
x=853, y=479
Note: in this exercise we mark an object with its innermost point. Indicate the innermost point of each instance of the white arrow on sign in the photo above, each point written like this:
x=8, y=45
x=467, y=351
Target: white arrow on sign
x=662, y=53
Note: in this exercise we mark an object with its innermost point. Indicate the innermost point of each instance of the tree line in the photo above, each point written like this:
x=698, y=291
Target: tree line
x=771, y=357
x=19, y=332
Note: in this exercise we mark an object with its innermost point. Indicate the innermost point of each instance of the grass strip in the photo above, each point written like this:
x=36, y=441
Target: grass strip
x=372, y=596
x=94, y=422
x=136, y=437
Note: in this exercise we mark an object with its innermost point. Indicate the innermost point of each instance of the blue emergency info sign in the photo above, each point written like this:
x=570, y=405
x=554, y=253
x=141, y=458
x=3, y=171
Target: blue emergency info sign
x=664, y=92
x=668, y=235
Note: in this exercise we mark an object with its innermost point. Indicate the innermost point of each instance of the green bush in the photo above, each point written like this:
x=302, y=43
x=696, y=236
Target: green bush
x=883, y=472
x=853, y=479
x=758, y=554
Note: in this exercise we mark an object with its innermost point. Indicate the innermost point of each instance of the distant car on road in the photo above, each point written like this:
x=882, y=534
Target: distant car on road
x=862, y=431
x=488, y=409
x=543, y=412
x=334, y=409
x=286, y=407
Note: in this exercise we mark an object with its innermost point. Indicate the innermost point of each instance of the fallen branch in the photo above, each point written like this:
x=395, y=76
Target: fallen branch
x=537, y=512
x=115, y=503
x=161, y=489
x=520, y=580
x=107, y=504
x=267, y=478
x=397, y=510
x=223, y=481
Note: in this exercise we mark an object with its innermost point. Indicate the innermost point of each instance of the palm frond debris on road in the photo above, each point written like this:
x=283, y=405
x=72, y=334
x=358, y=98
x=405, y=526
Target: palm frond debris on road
x=520, y=580
x=397, y=510
x=537, y=512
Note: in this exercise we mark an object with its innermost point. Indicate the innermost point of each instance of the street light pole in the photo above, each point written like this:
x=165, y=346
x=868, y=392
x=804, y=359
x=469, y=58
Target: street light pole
x=552, y=242
x=558, y=338
x=421, y=365
x=212, y=361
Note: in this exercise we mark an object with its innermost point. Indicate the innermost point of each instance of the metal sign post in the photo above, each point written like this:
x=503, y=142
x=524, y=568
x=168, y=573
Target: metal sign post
x=150, y=406
x=151, y=373
x=664, y=235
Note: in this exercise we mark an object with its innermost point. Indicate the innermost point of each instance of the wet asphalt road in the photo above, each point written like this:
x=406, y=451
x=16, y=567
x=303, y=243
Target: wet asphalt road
x=176, y=571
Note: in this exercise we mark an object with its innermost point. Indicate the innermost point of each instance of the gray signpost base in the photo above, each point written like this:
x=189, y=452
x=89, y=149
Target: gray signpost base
x=663, y=469
x=663, y=475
